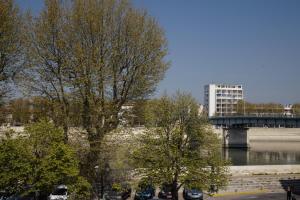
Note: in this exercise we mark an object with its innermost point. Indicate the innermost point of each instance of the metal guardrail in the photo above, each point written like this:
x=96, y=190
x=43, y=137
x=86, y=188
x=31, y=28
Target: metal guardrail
x=257, y=121
x=257, y=115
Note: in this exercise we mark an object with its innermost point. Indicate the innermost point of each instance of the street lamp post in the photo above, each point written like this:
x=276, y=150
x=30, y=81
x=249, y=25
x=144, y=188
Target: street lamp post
x=104, y=176
x=97, y=179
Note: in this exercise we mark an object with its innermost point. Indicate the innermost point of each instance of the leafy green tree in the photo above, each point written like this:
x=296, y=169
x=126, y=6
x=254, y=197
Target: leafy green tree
x=59, y=166
x=38, y=161
x=15, y=165
x=296, y=109
x=20, y=110
x=179, y=147
x=138, y=112
x=247, y=108
x=54, y=162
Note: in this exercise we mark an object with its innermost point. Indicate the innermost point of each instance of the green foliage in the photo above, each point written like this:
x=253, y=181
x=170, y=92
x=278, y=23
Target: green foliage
x=80, y=190
x=144, y=182
x=296, y=109
x=244, y=107
x=138, y=112
x=20, y=110
x=179, y=147
x=15, y=165
x=97, y=54
x=43, y=135
x=58, y=167
x=40, y=160
x=116, y=187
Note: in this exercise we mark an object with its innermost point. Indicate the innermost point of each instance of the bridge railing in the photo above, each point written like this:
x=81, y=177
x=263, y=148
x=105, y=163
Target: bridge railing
x=257, y=121
x=258, y=115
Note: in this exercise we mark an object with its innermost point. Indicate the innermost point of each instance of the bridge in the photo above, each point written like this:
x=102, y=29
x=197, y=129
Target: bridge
x=276, y=121
x=235, y=128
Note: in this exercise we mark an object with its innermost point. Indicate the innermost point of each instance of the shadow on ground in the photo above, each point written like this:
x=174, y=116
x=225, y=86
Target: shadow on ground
x=293, y=183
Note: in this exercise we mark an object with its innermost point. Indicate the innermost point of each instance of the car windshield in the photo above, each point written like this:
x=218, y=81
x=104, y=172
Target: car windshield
x=148, y=187
x=195, y=191
x=113, y=194
x=2, y=194
x=60, y=191
x=167, y=188
x=144, y=190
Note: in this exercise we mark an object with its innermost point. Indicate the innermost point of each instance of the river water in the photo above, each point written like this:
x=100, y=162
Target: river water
x=265, y=153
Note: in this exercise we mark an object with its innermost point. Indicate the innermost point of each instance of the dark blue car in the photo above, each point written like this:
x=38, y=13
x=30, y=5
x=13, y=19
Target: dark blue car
x=145, y=193
x=165, y=191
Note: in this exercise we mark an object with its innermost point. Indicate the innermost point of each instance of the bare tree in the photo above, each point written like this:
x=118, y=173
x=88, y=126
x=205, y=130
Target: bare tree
x=46, y=72
x=117, y=55
x=97, y=54
x=10, y=44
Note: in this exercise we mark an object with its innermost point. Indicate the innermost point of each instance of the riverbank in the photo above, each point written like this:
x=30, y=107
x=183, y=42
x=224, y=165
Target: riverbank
x=264, y=170
x=274, y=134
x=262, y=178
x=263, y=183
x=256, y=134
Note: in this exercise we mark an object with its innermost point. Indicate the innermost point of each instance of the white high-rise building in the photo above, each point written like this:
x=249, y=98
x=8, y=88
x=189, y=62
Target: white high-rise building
x=222, y=99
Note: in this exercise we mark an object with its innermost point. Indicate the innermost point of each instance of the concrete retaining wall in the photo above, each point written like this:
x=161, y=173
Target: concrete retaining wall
x=271, y=178
x=264, y=170
x=270, y=134
x=274, y=134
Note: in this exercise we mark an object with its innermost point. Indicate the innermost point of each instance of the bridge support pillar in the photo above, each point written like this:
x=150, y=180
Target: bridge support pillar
x=236, y=137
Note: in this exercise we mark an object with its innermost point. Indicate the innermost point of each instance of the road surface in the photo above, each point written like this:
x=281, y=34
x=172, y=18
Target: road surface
x=268, y=196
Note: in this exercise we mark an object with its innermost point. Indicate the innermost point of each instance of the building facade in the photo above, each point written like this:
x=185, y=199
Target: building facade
x=222, y=99
x=288, y=110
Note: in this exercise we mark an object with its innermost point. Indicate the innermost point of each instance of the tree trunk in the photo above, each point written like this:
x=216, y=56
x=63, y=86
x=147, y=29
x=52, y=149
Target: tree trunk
x=66, y=130
x=174, y=191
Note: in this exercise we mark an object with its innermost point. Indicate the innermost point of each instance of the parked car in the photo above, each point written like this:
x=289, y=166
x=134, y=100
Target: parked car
x=145, y=193
x=126, y=190
x=60, y=193
x=165, y=191
x=6, y=196
x=192, y=194
x=3, y=195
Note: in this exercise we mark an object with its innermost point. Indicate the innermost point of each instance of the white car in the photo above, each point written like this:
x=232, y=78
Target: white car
x=60, y=193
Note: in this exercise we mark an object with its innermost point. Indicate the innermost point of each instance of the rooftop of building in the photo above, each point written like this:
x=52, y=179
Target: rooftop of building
x=239, y=86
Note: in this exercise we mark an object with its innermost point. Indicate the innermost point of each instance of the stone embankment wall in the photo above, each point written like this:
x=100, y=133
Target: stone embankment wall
x=269, y=134
x=243, y=178
x=267, y=183
x=270, y=178
x=18, y=130
x=274, y=134
x=264, y=170
x=255, y=134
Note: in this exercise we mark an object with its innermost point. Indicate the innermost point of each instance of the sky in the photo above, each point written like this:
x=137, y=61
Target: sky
x=255, y=43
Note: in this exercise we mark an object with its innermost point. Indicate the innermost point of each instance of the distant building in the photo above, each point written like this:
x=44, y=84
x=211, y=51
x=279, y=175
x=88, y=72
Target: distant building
x=288, y=110
x=125, y=114
x=222, y=99
x=200, y=109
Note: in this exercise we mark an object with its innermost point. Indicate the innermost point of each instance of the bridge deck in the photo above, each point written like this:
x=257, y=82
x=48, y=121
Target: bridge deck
x=256, y=121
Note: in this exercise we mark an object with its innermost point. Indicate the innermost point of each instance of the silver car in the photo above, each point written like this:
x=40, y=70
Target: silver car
x=192, y=194
x=60, y=193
